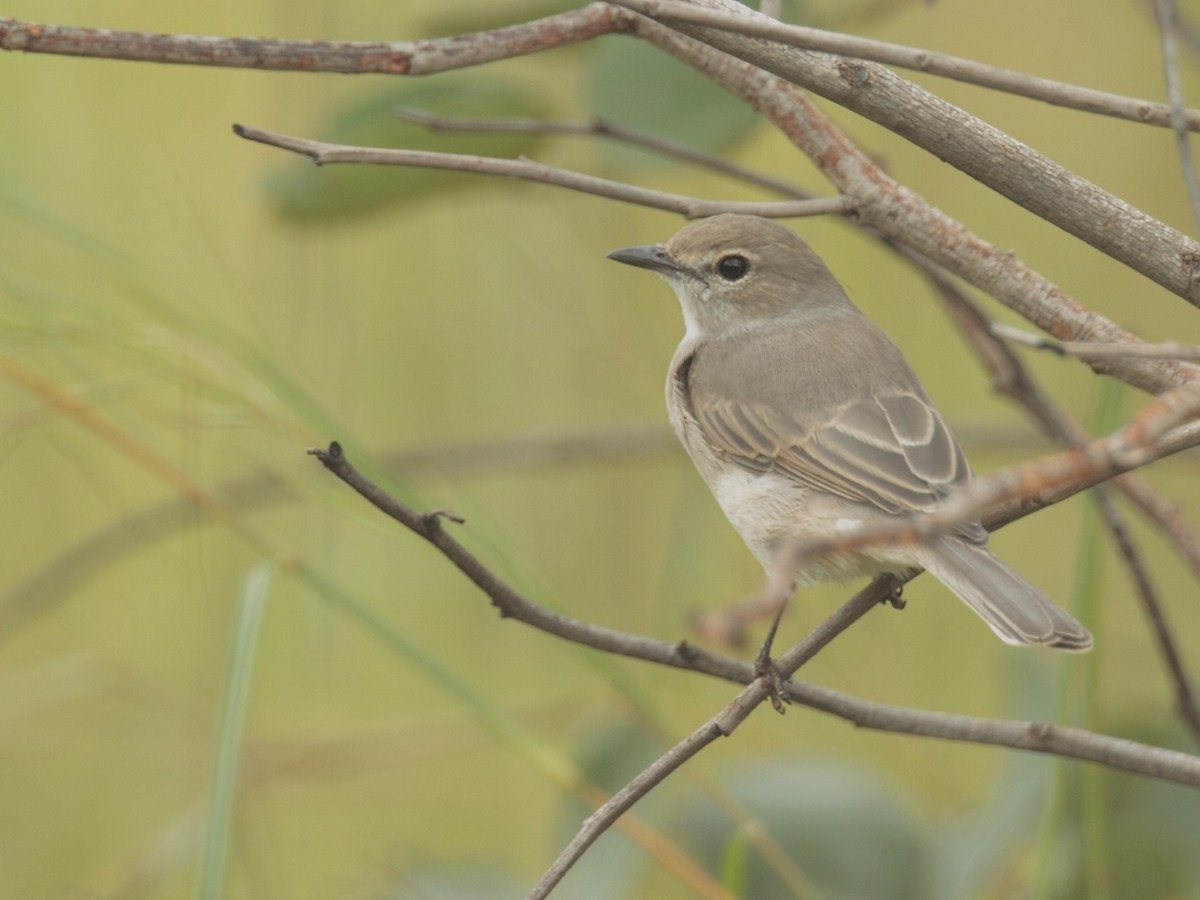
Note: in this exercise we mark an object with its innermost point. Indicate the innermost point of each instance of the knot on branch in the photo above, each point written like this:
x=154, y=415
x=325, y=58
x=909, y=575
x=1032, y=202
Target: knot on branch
x=432, y=520
x=855, y=72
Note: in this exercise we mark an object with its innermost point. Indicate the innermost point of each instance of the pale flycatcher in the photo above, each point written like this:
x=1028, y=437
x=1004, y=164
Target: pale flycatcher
x=805, y=420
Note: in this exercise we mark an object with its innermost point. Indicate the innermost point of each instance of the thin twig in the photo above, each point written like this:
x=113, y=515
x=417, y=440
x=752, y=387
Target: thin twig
x=1167, y=16
x=1096, y=349
x=109, y=546
x=323, y=153
x=1010, y=378
x=720, y=725
x=723, y=724
x=346, y=57
x=1164, y=638
x=602, y=128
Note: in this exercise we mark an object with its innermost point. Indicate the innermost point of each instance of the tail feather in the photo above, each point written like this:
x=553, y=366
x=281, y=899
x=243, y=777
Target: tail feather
x=1013, y=608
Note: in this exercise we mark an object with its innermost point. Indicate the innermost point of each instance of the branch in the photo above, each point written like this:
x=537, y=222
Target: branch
x=1185, y=698
x=1038, y=737
x=1096, y=349
x=968, y=71
x=111, y=545
x=527, y=170
x=1166, y=16
x=512, y=604
x=346, y=57
x=602, y=128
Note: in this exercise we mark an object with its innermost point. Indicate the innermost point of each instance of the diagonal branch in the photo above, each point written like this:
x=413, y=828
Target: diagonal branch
x=604, y=129
x=1167, y=15
x=690, y=207
x=347, y=57
x=511, y=604
x=968, y=71
x=1038, y=737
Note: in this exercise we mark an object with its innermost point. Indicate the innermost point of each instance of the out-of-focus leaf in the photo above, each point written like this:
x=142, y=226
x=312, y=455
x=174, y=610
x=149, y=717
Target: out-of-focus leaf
x=637, y=86
x=849, y=833
x=308, y=194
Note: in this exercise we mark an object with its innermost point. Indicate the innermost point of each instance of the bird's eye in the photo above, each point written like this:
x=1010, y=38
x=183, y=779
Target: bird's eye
x=733, y=267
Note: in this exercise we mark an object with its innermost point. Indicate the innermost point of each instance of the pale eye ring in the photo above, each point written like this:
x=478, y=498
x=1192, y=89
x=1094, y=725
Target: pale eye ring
x=733, y=266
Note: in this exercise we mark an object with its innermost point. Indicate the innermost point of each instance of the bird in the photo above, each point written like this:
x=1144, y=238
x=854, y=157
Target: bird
x=806, y=421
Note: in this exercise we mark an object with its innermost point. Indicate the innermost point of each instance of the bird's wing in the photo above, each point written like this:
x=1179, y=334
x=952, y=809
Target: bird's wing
x=893, y=451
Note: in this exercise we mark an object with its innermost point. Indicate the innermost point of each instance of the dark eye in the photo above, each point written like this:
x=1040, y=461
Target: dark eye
x=733, y=267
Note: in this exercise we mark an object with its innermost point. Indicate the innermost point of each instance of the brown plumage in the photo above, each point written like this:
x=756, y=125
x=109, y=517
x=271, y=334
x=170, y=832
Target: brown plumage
x=804, y=418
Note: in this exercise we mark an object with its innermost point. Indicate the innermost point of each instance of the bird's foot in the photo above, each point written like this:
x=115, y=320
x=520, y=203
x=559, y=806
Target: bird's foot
x=895, y=596
x=766, y=671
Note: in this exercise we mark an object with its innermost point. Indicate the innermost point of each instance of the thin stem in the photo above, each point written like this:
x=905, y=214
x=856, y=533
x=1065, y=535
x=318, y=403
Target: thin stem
x=323, y=153
x=346, y=57
x=1096, y=349
x=602, y=128
x=1167, y=16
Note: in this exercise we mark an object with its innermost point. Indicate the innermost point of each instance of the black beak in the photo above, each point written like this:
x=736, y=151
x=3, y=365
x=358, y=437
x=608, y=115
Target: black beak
x=649, y=256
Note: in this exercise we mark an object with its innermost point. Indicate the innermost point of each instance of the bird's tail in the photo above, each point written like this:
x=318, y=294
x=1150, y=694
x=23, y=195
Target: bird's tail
x=1012, y=607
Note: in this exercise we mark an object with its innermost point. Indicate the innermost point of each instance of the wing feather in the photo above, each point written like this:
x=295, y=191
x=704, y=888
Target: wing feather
x=893, y=452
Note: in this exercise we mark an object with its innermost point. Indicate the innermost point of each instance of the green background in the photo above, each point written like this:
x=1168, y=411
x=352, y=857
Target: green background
x=182, y=313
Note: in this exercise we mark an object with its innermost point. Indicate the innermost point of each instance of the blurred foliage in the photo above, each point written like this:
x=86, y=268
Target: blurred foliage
x=306, y=194
x=635, y=86
x=170, y=346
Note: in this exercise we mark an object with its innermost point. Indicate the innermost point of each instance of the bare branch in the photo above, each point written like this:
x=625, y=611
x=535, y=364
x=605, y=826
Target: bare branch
x=111, y=545
x=347, y=57
x=1167, y=16
x=601, y=128
x=1181, y=767
x=1074, y=743
x=1040, y=737
x=968, y=71
x=326, y=154
x=440, y=54
x=1096, y=349
x=1185, y=699
x=720, y=725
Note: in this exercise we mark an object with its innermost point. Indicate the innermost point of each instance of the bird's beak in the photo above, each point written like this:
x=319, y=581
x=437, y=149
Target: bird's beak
x=649, y=256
